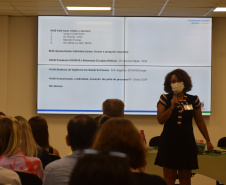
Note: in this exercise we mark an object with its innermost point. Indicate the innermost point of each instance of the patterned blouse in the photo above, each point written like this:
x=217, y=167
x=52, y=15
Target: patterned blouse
x=20, y=162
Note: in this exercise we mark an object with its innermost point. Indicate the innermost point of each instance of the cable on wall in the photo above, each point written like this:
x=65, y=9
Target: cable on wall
x=209, y=12
x=113, y=7
x=64, y=7
x=163, y=7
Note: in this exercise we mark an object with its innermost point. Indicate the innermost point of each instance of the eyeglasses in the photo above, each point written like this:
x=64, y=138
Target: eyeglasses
x=110, y=153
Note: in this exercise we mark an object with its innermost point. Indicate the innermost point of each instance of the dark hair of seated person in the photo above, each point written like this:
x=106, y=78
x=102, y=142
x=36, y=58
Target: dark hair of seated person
x=101, y=120
x=98, y=168
x=81, y=132
x=2, y=115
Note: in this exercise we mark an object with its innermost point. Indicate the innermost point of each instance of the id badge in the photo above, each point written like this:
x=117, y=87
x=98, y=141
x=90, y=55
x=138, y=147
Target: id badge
x=188, y=107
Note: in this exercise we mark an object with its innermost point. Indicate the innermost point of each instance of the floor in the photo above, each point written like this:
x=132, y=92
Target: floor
x=201, y=180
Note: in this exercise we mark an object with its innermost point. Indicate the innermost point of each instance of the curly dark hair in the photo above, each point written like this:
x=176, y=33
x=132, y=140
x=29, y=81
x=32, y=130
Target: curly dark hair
x=182, y=76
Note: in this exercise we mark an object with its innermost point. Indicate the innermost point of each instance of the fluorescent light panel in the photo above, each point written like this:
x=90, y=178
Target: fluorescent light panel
x=88, y=8
x=220, y=9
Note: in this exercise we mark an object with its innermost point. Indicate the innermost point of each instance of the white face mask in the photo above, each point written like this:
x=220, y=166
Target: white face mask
x=177, y=87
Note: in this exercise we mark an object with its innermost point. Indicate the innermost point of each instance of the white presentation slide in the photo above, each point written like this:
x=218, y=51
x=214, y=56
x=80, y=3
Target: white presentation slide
x=83, y=61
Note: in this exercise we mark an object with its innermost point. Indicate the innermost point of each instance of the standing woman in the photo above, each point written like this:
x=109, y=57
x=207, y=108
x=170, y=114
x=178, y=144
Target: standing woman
x=177, y=148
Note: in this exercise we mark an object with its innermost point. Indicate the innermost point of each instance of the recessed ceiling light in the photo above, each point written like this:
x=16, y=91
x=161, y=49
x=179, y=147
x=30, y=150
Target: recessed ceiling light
x=220, y=9
x=88, y=8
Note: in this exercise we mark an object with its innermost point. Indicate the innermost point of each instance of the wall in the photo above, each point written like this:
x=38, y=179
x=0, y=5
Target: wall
x=18, y=79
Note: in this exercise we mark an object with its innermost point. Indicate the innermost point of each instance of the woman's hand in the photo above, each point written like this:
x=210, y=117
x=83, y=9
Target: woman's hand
x=202, y=127
x=142, y=169
x=209, y=146
x=174, y=101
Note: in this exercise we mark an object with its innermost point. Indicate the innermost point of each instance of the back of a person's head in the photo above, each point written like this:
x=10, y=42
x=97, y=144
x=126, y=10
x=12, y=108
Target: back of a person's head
x=39, y=129
x=81, y=132
x=9, y=137
x=2, y=115
x=119, y=134
x=102, y=169
x=28, y=145
x=113, y=108
x=101, y=120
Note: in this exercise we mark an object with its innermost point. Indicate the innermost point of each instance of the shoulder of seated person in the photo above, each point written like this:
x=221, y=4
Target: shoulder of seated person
x=52, y=165
x=56, y=152
x=65, y=162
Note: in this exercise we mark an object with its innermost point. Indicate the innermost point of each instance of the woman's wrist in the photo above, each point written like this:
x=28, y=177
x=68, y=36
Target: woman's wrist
x=171, y=108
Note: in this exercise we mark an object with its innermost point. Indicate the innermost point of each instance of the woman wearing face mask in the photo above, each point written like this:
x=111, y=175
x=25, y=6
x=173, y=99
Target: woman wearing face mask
x=177, y=150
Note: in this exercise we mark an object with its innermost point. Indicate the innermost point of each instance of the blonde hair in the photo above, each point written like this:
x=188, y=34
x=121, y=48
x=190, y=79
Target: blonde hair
x=28, y=145
x=9, y=137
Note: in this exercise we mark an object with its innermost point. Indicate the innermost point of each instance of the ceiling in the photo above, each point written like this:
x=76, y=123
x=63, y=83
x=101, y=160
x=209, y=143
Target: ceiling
x=175, y=8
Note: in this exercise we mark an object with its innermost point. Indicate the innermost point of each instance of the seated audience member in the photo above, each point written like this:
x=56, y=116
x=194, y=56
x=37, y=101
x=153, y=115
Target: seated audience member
x=9, y=177
x=28, y=145
x=2, y=115
x=97, y=168
x=119, y=134
x=111, y=108
x=81, y=132
x=40, y=132
x=11, y=157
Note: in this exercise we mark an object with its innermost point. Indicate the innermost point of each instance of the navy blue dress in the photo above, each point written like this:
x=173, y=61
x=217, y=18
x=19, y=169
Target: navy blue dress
x=177, y=146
